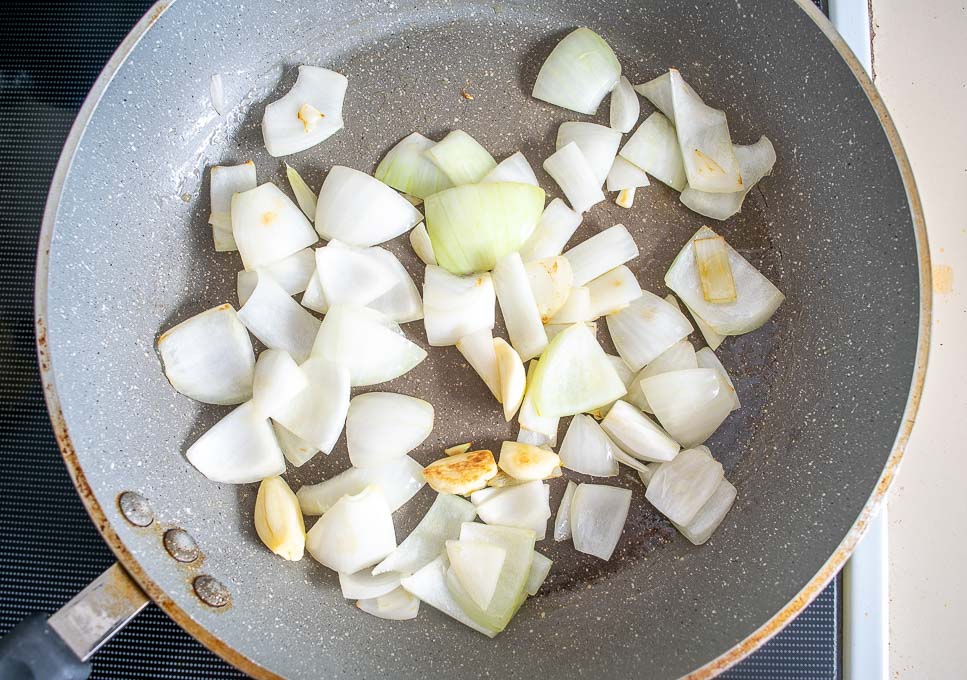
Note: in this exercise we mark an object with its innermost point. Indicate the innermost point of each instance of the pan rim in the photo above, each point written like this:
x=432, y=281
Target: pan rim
x=237, y=658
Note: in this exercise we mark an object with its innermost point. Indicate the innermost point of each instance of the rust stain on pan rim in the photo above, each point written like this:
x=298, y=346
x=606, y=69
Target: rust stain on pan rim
x=239, y=659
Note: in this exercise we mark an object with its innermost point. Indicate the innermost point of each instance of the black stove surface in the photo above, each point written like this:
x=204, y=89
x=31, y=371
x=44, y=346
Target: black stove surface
x=50, y=54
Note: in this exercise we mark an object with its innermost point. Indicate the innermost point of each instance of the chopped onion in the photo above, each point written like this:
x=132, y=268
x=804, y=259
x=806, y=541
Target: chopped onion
x=459, y=448
x=562, y=522
x=472, y=226
x=757, y=299
x=530, y=421
x=714, y=272
x=626, y=175
x=712, y=338
x=314, y=298
x=659, y=93
x=526, y=462
x=502, y=479
x=222, y=238
x=477, y=566
x=402, y=302
x=278, y=379
x=555, y=329
x=755, y=162
x=461, y=158
x=304, y=196
x=217, y=91
x=278, y=520
x=360, y=210
x=678, y=357
x=513, y=378
x=703, y=135
x=296, y=450
x=279, y=321
x=576, y=308
x=612, y=291
x=420, y=240
x=540, y=568
x=462, y=473
x=526, y=436
x=550, y=282
x=524, y=506
x=478, y=349
x=686, y=403
x=648, y=472
x=680, y=488
x=398, y=480
x=625, y=459
x=364, y=586
x=625, y=107
x=366, y=342
x=598, y=515
x=574, y=175
x=621, y=368
x=587, y=449
x=597, y=143
x=556, y=226
x=514, y=168
x=406, y=168
x=382, y=426
x=351, y=276
x=285, y=132
x=355, y=533
x=441, y=523
x=578, y=73
x=429, y=584
x=268, y=226
x=317, y=414
x=226, y=181
x=209, y=357
x=396, y=605
x=625, y=199
x=706, y=358
x=456, y=306
x=646, y=328
x=637, y=434
x=654, y=148
x=601, y=253
x=518, y=307
x=238, y=449
x=574, y=375
x=710, y=515
x=293, y=273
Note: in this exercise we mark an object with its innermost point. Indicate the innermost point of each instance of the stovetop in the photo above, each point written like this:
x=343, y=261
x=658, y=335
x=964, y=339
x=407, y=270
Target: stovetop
x=50, y=54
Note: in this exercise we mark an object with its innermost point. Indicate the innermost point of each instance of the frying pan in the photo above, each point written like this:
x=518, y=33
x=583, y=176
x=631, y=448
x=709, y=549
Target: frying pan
x=829, y=387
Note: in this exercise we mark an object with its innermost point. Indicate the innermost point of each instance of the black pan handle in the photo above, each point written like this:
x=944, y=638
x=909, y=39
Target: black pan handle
x=34, y=651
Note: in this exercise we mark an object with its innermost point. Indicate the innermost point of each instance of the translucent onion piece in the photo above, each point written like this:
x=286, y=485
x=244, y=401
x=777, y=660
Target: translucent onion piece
x=293, y=273
x=355, y=533
x=366, y=342
x=625, y=175
x=646, y=328
x=402, y=302
x=405, y=167
x=678, y=357
x=279, y=321
x=396, y=605
x=540, y=568
x=420, y=240
x=514, y=168
x=429, y=584
x=526, y=462
x=659, y=93
x=530, y=421
x=278, y=519
x=597, y=143
x=317, y=414
x=413, y=200
x=587, y=449
x=364, y=586
x=654, y=148
x=526, y=436
x=625, y=107
x=710, y=515
x=576, y=308
x=351, y=276
x=472, y=226
x=283, y=130
x=550, y=282
x=209, y=357
x=757, y=298
x=555, y=329
x=524, y=506
x=706, y=358
x=578, y=73
x=755, y=162
x=712, y=338
x=714, y=272
x=455, y=307
x=513, y=378
x=217, y=92
x=238, y=449
x=556, y=226
x=633, y=463
x=637, y=434
x=518, y=307
x=399, y=481
x=304, y=196
x=314, y=298
x=601, y=253
x=703, y=135
x=278, y=379
x=686, y=403
x=268, y=226
x=574, y=375
x=621, y=368
x=461, y=473
x=461, y=158
x=296, y=450
x=477, y=566
x=574, y=175
x=612, y=291
x=478, y=349
x=441, y=523
x=562, y=522
x=680, y=488
x=382, y=426
x=223, y=238
x=647, y=473
x=226, y=181
x=598, y=515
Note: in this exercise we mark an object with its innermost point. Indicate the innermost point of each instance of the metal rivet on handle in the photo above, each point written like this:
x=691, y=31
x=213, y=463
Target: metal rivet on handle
x=135, y=509
x=211, y=591
x=181, y=545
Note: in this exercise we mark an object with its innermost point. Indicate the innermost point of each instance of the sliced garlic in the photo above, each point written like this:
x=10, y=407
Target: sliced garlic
x=527, y=463
x=513, y=378
x=278, y=519
x=310, y=116
x=462, y=473
x=502, y=479
x=459, y=448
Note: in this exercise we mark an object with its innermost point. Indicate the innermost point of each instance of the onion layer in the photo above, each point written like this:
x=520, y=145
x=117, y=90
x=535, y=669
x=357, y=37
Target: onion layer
x=238, y=449
x=646, y=328
x=382, y=426
x=355, y=533
x=441, y=523
x=598, y=515
x=579, y=72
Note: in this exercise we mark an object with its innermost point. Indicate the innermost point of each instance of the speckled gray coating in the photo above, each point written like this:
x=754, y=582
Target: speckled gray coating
x=823, y=384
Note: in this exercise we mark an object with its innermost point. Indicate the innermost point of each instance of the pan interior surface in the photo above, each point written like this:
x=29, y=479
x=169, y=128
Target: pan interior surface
x=823, y=385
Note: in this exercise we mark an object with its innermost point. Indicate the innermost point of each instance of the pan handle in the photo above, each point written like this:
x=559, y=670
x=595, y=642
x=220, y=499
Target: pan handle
x=59, y=648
